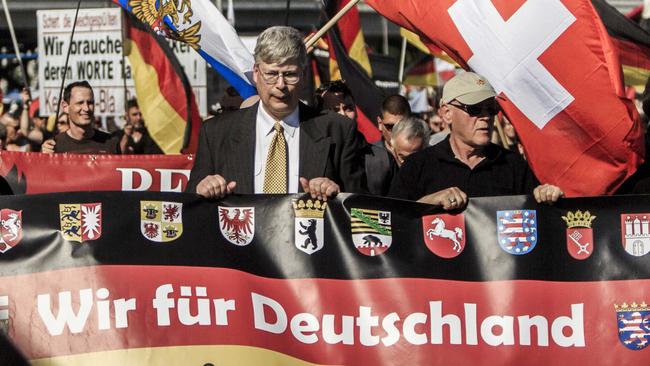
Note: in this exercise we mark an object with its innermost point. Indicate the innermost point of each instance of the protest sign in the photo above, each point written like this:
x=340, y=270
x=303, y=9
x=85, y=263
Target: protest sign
x=96, y=55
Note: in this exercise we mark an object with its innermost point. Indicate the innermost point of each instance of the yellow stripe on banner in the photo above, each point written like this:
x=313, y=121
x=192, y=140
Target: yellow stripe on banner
x=361, y=228
x=164, y=124
x=422, y=80
x=366, y=230
x=636, y=77
x=335, y=72
x=414, y=40
x=358, y=53
x=182, y=355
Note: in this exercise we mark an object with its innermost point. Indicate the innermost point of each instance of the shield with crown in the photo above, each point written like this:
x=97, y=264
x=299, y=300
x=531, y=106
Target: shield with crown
x=633, y=324
x=161, y=221
x=309, y=225
x=579, y=234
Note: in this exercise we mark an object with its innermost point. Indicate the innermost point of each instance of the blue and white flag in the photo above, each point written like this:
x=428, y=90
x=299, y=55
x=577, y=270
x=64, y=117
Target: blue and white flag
x=201, y=25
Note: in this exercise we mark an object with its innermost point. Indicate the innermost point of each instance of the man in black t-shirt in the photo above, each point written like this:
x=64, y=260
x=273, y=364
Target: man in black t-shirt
x=135, y=138
x=466, y=163
x=82, y=138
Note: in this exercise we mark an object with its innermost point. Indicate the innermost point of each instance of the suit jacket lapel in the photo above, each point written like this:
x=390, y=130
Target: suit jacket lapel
x=314, y=146
x=242, y=160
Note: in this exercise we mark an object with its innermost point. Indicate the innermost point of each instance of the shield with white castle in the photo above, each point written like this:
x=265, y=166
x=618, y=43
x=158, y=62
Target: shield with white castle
x=444, y=234
x=11, y=229
x=635, y=231
x=579, y=234
x=80, y=222
x=237, y=224
x=161, y=221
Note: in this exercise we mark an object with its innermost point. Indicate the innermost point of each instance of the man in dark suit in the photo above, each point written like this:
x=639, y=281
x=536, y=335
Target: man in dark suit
x=278, y=145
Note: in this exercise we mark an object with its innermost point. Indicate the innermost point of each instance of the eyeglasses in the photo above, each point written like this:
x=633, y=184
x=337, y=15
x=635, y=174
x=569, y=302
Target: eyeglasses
x=271, y=77
x=490, y=108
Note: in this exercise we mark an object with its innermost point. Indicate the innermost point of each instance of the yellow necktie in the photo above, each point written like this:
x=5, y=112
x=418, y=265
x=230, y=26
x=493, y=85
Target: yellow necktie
x=275, y=175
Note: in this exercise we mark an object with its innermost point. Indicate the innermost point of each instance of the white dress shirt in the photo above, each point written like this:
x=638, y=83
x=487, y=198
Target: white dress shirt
x=264, y=132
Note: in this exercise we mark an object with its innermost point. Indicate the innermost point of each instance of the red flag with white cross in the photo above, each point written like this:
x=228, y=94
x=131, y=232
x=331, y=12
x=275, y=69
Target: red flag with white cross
x=557, y=75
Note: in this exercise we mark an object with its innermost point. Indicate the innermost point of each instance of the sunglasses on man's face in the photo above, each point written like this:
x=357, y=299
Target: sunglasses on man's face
x=490, y=108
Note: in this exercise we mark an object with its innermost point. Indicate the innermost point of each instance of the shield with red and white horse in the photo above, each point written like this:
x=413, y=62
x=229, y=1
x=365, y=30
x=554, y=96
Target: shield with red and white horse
x=444, y=234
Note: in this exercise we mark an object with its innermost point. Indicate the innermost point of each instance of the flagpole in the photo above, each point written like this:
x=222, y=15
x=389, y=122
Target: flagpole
x=15, y=42
x=67, y=59
x=230, y=14
x=312, y=40
x=402, y=59
x=384, y=35
x=286, y=13
x=125, y=29
x=500, y=131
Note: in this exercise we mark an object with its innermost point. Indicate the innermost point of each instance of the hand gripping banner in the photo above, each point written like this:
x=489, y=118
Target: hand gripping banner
x=557, y=76
x=171, y=279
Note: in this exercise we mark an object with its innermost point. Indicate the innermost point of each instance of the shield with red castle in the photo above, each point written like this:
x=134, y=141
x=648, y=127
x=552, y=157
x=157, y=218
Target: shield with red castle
x=444, y=234
x=11, y=229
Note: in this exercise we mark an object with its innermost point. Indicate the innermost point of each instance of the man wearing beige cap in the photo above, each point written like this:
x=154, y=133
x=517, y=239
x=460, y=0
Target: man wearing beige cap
x=467, y=164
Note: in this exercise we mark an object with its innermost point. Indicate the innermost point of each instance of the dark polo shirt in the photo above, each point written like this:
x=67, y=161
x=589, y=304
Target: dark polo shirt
x=100, y=143
x=435, y=168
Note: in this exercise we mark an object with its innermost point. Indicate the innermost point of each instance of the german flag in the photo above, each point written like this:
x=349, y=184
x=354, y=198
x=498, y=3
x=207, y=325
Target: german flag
x=366, y=94
x=351, y=36
x=632, y=42
x=165, y=95
x=422, y=72
x=428, y=49
x=429, y=71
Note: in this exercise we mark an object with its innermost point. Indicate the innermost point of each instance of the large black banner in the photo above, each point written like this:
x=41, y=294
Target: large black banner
x=109, y=278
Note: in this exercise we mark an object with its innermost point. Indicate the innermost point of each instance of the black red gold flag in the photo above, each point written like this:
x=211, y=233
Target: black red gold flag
x=164, y=93
x=631, y=41
x=367, y=95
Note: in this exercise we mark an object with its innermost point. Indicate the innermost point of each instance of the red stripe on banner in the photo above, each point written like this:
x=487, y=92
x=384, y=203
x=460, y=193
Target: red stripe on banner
x=349, y=25
x=635, y=14
x=632, y=54
x=33, y=173
x=393, y=321
x=367, y=128
x=423, y=68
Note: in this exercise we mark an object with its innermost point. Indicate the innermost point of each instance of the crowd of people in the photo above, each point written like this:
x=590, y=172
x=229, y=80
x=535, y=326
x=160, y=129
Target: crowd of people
x=275, y=143
x=280, y=145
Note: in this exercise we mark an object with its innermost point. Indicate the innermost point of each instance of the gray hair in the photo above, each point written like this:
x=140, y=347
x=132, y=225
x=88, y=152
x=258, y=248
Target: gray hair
x=280, y=44
x=412, y=127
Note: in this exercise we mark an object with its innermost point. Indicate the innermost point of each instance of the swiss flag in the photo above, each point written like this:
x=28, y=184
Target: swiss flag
x=558, y=77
